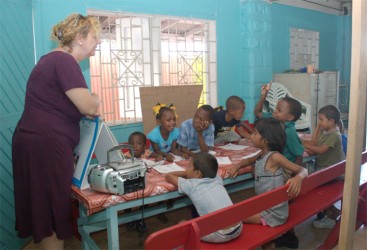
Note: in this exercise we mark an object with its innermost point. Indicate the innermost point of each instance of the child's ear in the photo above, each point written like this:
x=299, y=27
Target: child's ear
x=291, y=118
x=198, y=174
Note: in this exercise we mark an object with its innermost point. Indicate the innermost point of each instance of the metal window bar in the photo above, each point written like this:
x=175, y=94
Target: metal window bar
x=140, y=50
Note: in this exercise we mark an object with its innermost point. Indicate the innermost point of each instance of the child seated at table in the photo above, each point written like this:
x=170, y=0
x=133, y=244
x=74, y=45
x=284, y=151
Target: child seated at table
x=197, y=133
x=205, y=188
x=270, y=137
x=288, y=110
x=327, y=144
x=139, y=142
x=227, y=123
x=163, y=137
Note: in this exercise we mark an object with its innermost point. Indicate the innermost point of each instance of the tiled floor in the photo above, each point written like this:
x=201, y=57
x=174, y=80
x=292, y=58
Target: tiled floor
x=309, y=237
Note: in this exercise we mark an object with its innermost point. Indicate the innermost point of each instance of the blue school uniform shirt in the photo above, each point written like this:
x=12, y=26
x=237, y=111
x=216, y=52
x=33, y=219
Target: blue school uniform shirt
x=188, y=136
x=164, y=145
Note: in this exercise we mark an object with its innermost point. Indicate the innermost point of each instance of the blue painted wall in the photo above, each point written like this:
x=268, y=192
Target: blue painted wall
x=225, y=12
x=252, y=44
x=285, y=17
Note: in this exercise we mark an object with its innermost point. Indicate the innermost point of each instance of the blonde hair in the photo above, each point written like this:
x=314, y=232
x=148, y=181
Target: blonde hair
x=65, y=31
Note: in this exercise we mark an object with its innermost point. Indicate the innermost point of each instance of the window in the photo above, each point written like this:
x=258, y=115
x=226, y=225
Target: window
x=141, y=50
x=304, y=48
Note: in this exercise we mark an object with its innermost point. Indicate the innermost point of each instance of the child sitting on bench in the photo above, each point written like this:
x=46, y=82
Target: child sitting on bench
x=205, y=188
x=269, y=136
x=326, y=142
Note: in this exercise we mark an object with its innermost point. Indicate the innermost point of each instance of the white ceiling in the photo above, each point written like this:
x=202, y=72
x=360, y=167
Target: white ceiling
x=337, y=7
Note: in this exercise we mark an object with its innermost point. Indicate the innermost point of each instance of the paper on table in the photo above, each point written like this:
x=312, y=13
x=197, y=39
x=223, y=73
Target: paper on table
x=223, y=160
x=231, y=146
x=177, y=158
x=251, y=155
x=164, y=169
x=198, y=151
x=151, y=163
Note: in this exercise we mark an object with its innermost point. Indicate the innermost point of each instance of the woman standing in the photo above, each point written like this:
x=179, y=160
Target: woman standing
x=44, y=140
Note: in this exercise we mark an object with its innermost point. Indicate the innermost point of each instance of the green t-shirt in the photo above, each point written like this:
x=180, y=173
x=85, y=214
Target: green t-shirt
x=293, y=145
x=335, y=153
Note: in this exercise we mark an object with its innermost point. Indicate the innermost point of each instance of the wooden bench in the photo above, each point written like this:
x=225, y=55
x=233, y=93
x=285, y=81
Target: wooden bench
x=319, y=191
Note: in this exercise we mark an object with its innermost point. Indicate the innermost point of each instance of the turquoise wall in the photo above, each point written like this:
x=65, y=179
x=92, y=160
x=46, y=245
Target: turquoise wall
x=16, y=63
x=225, y=12
x=285, y=17
x=252, y=43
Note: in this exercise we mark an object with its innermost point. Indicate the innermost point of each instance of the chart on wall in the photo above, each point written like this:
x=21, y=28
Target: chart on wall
x=184, y=98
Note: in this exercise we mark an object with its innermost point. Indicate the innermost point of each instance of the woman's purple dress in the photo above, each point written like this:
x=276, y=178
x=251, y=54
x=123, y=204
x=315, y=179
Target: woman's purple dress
x=43, y=146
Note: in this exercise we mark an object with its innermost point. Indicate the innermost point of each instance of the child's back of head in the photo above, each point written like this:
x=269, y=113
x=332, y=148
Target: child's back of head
x=272, y=130
x=206, y=163
x=234, y=103
x=295, y=107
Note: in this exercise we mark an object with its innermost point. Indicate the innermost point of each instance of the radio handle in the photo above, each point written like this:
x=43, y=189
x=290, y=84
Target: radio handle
x=119, y=147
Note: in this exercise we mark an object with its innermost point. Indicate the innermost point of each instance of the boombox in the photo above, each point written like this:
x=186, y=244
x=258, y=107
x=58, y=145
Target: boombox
x=118, y=177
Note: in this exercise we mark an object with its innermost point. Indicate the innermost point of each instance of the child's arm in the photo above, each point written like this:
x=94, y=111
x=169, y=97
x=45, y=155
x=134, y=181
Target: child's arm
x=157, y=150
x=173, y=177
x=295, y=183
x=317, y=149
x=202, y=143
x=201, y=139
x=258, y=111
x=176, y=151
x=243, y=133
x=314, y=137
x=233, y=171
x=187, y=151
x=299, y=160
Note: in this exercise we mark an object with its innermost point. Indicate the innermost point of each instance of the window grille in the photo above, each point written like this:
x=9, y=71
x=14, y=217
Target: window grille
x=141, y=50
x=304, y=48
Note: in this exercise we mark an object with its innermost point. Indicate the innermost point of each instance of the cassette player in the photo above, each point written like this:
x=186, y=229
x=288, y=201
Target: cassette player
x=118, y=177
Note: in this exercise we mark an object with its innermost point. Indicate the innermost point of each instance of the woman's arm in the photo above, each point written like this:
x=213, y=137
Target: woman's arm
x=87, y=103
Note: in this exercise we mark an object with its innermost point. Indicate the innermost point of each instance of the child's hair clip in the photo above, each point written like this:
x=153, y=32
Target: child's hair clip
x=172, y=106
x=219, y=108
x=157, y=107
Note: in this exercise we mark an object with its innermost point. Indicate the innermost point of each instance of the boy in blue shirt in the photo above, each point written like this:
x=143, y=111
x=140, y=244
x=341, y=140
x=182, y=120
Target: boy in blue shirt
x=197, y=132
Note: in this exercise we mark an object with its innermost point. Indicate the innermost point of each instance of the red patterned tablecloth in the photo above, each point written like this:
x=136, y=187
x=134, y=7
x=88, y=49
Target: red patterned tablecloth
x=155, y=183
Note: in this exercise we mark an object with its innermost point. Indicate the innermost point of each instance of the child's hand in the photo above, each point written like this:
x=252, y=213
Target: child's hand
x=159, y=157
x=233, y=171
x=202, y=126
x=265, y=89
x=295, y=185
x=170, y=157
x=185, y=156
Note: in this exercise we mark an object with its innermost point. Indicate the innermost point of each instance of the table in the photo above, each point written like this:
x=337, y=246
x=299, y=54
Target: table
x=99, y=211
